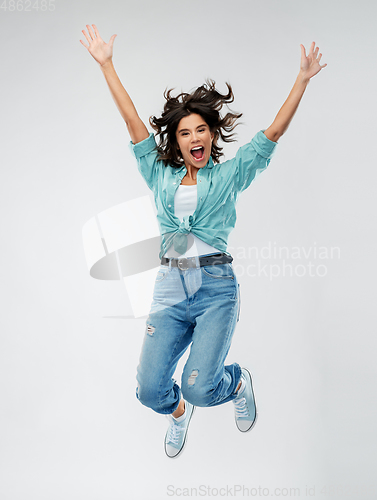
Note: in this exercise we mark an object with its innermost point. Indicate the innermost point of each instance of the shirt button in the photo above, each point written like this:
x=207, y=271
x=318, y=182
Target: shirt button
x=174, y=183
x=169, y=206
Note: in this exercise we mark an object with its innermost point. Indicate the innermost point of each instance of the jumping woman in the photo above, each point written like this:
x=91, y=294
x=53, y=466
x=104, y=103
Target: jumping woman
x=196, y=298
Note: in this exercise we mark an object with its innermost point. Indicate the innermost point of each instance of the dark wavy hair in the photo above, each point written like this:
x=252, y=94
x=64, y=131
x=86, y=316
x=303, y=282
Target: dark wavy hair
x=207, y=102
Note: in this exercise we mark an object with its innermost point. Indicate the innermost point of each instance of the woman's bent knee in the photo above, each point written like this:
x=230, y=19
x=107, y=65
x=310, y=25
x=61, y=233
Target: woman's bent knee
x=197, y=395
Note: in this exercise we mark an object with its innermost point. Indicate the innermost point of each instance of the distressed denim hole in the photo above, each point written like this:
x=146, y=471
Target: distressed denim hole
x=192, y=377
x=150, y=329
x=162, y=273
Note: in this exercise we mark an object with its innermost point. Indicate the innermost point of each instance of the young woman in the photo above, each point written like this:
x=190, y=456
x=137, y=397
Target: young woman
x=196, y=297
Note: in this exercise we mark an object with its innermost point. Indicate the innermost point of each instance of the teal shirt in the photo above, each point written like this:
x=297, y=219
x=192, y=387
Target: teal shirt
x=218, y=186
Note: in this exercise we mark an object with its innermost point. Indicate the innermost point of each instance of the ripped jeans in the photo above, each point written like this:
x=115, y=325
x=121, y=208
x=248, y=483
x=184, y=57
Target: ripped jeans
x=198, y=306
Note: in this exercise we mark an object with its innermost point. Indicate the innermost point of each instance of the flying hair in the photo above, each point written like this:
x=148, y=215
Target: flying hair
x=205, y=101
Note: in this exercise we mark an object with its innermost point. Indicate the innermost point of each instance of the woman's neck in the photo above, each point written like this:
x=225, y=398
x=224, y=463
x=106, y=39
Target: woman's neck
x=192, y=173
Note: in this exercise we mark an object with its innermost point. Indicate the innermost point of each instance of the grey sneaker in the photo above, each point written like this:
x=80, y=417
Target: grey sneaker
x=176, y=435
x=244, y=405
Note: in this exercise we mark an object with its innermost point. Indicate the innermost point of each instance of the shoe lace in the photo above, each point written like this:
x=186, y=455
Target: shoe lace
x=241, y=408
x=174, y=432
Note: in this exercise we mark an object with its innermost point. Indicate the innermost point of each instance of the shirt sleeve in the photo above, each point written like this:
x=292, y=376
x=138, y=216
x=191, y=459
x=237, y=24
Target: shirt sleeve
x=148, y=164
x=252, y=158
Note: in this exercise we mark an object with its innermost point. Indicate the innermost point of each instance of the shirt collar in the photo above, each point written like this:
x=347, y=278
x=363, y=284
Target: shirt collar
x=209, y=164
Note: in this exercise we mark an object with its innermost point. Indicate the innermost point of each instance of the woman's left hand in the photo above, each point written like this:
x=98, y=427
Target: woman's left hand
x=310, y=63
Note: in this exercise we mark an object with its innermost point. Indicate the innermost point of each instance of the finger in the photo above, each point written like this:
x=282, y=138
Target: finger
x=86, y=46
x=303, y=54
x=319, y=57
x=91, y=34
x=96, y=31
x=316, y=51
x=86, y=36
x=111, y=41
x=312, y=47
x=323, y=66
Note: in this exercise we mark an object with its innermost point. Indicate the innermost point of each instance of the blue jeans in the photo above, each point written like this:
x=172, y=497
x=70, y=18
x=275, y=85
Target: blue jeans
x=198, y=306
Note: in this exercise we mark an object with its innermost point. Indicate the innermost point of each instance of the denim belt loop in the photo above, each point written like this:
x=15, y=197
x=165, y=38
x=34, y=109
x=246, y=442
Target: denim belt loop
x=197, y=261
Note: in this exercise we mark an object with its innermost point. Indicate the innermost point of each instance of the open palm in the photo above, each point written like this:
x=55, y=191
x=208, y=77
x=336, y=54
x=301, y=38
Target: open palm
x=310, y=63
x=100, y=50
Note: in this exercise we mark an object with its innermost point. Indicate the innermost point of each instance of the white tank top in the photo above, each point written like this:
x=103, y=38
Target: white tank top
x=185, y=200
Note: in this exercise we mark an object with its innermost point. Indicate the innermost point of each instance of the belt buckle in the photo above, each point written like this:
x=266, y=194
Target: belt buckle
x=179, y=263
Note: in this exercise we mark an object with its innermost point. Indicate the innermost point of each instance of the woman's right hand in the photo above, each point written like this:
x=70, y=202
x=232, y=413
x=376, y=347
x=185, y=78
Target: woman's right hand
x=101, y=51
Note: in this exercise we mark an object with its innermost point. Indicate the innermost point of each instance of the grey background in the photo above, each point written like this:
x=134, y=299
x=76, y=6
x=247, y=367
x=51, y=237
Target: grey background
x=71, y=426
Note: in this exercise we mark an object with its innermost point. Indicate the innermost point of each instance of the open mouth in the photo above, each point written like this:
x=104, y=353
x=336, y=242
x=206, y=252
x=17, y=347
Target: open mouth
x=197, y=153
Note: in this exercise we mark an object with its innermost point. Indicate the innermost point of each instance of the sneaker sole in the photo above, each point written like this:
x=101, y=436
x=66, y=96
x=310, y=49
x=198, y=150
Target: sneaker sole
x=255, y=403
x=185, y=440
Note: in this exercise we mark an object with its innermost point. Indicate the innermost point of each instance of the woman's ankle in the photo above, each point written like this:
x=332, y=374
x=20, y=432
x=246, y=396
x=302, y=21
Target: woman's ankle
x=180, y=409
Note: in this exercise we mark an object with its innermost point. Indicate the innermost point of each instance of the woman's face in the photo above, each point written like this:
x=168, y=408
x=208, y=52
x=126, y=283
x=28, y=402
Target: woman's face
x=194, y=140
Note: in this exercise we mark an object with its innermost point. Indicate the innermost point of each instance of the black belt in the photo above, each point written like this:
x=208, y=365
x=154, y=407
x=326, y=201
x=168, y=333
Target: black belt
x=184, y=263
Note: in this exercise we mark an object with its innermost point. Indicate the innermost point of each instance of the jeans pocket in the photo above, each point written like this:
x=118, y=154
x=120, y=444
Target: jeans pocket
x=219, y=271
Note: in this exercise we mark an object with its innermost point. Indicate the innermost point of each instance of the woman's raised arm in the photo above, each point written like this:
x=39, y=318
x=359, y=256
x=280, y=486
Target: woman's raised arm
x=309, y=67
x=103, y=53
